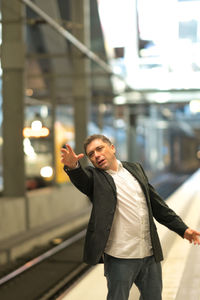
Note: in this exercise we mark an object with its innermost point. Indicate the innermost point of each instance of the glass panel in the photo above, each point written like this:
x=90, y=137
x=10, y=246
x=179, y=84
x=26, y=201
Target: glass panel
x=1, y=138
x=1, y=117
x=64, y=134
x=38, y=140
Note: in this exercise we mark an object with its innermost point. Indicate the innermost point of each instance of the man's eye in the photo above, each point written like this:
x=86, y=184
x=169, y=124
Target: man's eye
x=100, y=148
x=90, y=154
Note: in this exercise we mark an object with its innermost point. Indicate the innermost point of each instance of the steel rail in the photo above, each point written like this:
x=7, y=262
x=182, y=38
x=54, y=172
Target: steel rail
x=72, y=39
x=42, y=257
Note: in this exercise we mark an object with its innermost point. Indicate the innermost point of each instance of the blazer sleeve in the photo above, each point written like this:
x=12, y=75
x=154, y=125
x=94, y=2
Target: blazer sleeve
x=82, y=179
x=163, y=213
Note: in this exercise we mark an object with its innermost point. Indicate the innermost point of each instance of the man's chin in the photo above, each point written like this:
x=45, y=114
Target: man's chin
x=102, y=167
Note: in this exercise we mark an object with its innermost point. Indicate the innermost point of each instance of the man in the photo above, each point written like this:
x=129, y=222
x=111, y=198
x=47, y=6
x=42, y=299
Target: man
x=121, y=228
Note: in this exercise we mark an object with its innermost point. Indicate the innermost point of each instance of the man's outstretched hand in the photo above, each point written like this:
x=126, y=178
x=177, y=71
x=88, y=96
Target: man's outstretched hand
x=192, y=236
x=69, y=157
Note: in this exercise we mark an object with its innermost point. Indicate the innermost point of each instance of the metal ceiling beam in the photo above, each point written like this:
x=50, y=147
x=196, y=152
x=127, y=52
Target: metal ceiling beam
x=46, y=55
x=64, y=75
x=72, y=39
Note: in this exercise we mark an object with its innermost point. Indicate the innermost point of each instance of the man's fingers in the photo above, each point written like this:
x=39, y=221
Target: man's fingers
x=196, y=238
x=80, y=156
x=193, y=236
x=63, y=150
x=69, y=156
x=69, y=148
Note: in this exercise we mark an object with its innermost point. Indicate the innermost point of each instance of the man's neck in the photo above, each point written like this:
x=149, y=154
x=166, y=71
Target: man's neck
x=114, y=166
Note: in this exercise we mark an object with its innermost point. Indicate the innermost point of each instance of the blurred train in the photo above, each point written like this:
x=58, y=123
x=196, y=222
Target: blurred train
x=184, y=152
x=169, y=145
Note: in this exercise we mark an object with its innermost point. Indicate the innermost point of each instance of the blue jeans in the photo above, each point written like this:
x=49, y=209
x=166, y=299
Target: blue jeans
x=122, y=273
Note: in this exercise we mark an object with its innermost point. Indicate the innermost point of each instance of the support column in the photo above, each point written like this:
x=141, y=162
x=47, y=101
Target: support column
x=81, y=67
x=13, y=53
x=100, y=114
x=131, y=116
x=152, y=138
x=53, y=122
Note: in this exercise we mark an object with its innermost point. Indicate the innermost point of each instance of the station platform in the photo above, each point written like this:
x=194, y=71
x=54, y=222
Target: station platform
x=181, y=265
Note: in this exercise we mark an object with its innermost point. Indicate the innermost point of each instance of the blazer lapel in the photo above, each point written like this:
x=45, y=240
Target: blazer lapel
x=133, y=169
x=109, y=179
x=136, y=172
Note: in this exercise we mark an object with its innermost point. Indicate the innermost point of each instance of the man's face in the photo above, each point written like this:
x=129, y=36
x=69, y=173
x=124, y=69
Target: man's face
x=102, y=155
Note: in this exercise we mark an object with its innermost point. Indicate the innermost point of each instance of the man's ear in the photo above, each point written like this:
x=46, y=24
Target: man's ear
x=113, y=148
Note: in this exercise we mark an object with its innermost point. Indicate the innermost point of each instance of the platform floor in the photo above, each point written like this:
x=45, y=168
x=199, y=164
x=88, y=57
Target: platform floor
x=181, y=266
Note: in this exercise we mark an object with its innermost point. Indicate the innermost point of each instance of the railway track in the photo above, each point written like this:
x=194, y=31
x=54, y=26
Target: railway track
x=45, y=276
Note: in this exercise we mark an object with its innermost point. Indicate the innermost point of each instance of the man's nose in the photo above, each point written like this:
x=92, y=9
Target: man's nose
x=96, y=154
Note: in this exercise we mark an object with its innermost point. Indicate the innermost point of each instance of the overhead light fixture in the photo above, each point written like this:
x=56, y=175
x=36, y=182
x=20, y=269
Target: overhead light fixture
x=119, y=100
x=46, y=172
x=194, y=106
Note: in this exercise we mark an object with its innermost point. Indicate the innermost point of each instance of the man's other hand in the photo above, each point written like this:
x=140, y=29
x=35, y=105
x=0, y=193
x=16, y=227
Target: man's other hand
x=192, y=236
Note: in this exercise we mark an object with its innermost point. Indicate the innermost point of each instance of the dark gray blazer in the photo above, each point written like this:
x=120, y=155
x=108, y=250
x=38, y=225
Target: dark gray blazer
x=99, y=186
